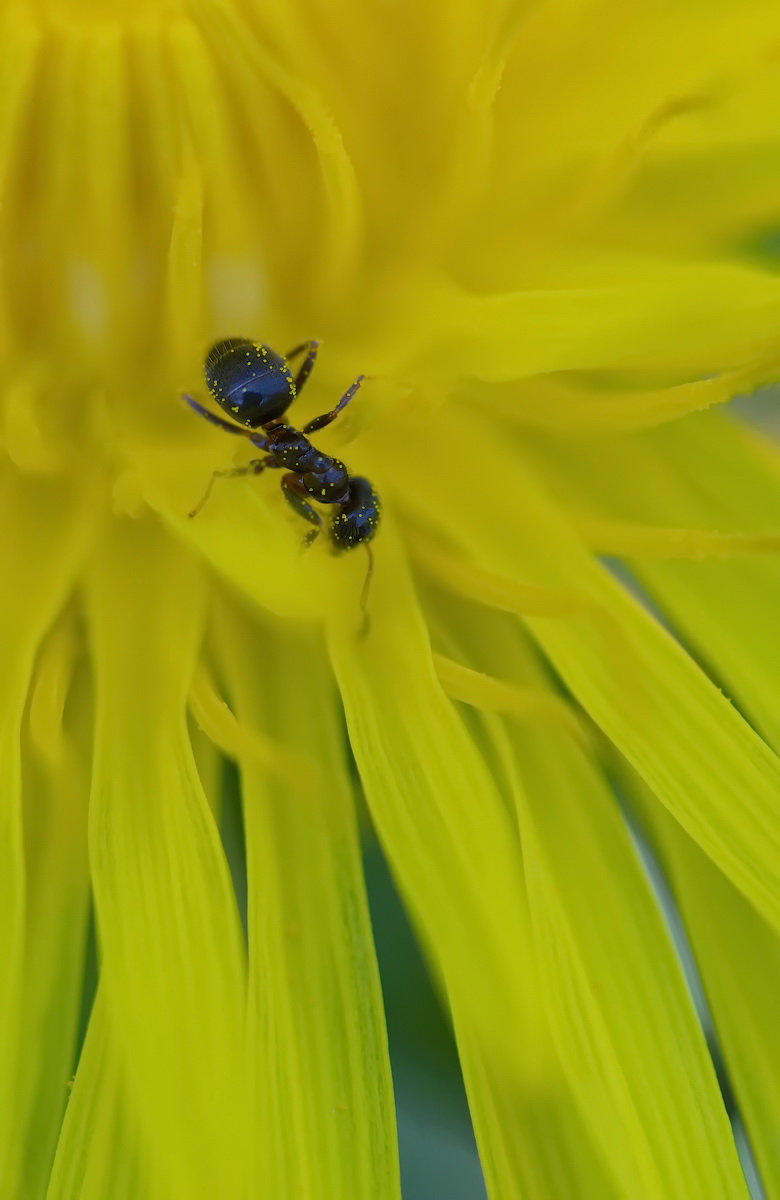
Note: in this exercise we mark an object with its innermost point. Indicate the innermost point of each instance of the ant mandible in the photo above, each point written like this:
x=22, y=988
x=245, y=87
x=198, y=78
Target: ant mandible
x=255, y=386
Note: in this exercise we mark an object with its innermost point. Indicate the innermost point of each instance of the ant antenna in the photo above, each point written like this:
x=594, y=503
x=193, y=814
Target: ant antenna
x=205, y=495
x=366, y=625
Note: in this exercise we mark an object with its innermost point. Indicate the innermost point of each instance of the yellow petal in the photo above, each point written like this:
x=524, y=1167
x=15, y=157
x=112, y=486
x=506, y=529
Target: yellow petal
x=738, y=957
x=701, y=759
x=321, y=1105
x=250, y=540
x=532, y=1142
x=439, y=815
x=623, y=540
x=45, y=531
x=570, y=406
x=98, y=1155
x=699, y=317
x=622, y=1018
x=167, y=918
x=729, y=479
x=55, y=803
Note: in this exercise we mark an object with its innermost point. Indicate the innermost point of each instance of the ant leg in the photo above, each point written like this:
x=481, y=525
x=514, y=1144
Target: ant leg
x=255, y=438
x=306, y=366
x=326, y=418
x=255, y=467
x=365, y=589
x=298, y=498
x=212, y=417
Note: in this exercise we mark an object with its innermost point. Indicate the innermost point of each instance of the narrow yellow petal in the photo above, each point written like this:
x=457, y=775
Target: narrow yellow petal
x=511, y=595
x=216, y=720
x=569, y=406
x=55, y=814
x=249, y=57
x=185, y=268
x=167, y=918
x=738, y=957
x=624, y=540
x=625, y=1024
x=211, y=767
x=439, y=815
x=45, y=531
x=729, y=605
x=732, y=606
x=468, y=173
x=496, y=695
x=322, y=1117
x=98, y=1154
x=701, y=759
x=699, y=316
x=729, y=479
x=532, y=1142
x=623, y=1020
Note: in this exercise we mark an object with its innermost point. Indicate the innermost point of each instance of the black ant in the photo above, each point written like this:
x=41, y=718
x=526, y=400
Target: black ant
x=255, y=386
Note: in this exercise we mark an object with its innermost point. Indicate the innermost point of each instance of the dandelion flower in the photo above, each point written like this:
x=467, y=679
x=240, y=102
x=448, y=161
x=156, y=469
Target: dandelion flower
x=538, y=229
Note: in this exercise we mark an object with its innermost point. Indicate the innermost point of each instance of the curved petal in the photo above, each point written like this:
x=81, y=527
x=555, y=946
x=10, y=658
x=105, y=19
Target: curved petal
x=98, y=1152
x=322, y=1119
x=46, y=529
x=168, y=924
x=698, y=317
x=622, y=1018
x=738, y=957
x=700, y=758
x=439, y=816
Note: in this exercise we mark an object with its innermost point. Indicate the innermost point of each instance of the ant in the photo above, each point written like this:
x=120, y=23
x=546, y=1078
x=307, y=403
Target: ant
x=255, y=386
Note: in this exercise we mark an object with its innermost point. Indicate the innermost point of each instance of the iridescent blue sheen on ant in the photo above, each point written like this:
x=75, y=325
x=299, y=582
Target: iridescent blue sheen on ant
x=254, y=386
x=357, y=519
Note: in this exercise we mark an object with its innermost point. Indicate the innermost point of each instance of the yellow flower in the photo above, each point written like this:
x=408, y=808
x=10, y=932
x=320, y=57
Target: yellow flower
x=534, y=227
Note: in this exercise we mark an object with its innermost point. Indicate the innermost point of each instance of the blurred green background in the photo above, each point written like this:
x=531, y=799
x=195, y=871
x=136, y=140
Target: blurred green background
x=438, y=1156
